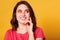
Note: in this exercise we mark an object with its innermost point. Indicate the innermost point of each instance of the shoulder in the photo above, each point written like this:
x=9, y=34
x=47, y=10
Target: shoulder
x=8, y=34
x=39, y=33
x=9, y=31
x=38, y=28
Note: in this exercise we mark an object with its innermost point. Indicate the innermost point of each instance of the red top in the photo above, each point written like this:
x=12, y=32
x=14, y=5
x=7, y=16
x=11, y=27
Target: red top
x=12, y=35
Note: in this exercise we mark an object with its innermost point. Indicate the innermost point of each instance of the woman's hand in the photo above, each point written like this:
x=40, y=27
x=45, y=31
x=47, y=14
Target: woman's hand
x=30, y=29
x=29, y=25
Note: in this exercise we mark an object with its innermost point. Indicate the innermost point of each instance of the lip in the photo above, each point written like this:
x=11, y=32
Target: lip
x=23, y=18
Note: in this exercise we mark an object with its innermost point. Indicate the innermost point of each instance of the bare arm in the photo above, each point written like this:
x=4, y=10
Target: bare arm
x=31, y=36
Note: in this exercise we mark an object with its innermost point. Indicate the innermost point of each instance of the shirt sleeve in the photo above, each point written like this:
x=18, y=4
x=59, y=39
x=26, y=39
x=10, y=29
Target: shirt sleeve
x=7, y=35
x=39, y=33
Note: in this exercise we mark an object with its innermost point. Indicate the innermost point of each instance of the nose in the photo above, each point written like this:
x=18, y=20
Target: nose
x=23, y=13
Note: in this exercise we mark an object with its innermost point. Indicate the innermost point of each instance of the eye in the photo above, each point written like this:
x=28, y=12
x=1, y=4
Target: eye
x=27, y=11
x=19, y=11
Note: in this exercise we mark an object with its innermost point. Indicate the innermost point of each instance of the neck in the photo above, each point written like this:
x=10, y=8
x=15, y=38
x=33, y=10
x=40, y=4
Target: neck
x=22, y=28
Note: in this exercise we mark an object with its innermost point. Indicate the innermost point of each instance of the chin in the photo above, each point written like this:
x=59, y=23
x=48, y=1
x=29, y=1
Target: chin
x=22, y=22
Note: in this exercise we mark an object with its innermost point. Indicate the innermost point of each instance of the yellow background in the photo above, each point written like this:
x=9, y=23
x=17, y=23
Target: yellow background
x=47, y=13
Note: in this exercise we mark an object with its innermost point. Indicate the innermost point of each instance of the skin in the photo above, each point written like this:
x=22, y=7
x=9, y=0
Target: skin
x=23, y=17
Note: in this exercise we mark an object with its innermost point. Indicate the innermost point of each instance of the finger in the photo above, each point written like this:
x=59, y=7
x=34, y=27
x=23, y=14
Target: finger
x=30, y=20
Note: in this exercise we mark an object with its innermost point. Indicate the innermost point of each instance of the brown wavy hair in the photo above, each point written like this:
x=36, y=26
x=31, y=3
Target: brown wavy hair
x=14, y=21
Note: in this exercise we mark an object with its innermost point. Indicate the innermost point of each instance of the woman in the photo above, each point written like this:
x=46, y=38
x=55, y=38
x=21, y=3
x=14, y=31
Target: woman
x=23, y=24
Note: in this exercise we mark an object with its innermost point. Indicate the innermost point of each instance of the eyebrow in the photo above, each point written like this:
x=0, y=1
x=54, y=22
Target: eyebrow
x=25, y=9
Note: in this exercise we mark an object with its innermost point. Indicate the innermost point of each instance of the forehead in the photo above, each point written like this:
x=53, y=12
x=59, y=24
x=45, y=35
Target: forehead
x=22, y=7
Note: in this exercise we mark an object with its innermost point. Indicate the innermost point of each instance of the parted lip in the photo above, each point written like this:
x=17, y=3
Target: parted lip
x=23, y=18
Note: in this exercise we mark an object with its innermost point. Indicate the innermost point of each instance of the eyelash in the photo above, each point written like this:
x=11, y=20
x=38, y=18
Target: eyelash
x=19, y=11
x=27, y=11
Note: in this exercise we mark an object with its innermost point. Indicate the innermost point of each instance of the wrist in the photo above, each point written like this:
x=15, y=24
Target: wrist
x=30, y=32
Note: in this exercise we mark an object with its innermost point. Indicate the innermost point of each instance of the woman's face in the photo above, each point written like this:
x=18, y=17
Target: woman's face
x=22, y=13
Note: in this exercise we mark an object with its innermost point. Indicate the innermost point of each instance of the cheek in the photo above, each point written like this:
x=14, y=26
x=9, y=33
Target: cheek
x=18, y=14
x=27, y=15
